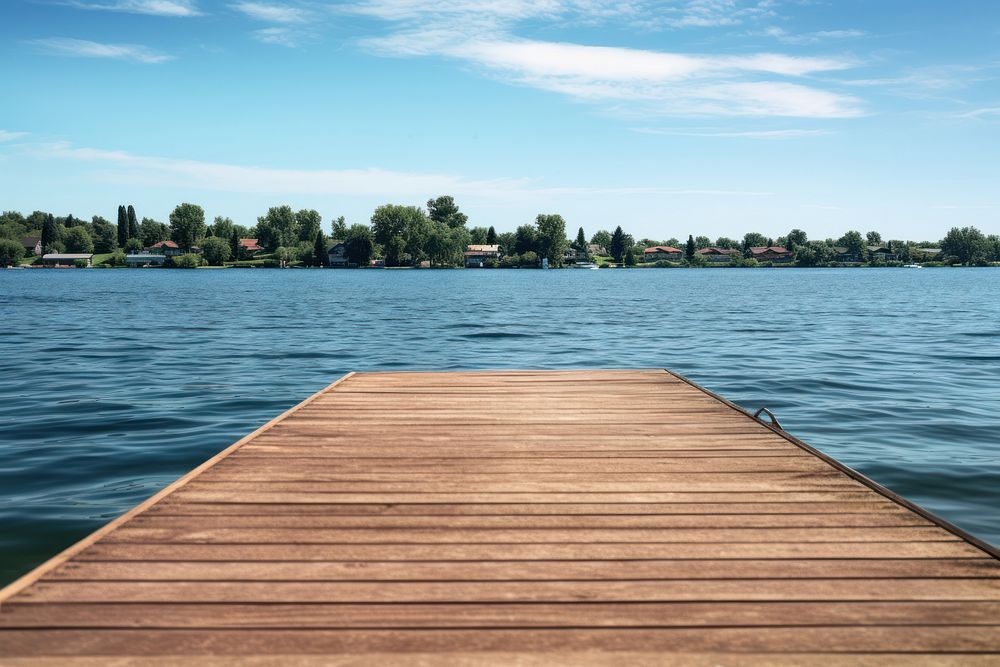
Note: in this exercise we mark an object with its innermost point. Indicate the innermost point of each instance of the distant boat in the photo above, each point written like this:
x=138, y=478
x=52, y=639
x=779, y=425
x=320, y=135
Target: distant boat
x=912, y=266
x=585, y=265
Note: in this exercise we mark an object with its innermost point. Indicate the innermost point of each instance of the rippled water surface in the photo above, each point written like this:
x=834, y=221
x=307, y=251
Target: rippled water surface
x=117, y=382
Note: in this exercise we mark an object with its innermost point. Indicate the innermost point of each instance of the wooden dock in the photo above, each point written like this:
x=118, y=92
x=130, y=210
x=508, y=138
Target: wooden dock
x=577, y=517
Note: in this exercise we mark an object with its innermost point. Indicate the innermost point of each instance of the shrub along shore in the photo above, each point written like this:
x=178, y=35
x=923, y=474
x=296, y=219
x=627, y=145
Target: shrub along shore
x=440, y=236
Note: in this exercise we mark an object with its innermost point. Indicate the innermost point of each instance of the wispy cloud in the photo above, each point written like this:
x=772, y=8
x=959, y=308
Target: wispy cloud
x=272, y=13
x=6, y=135
x=81, y=48
x=649, y=82
x=786, y=37
x=276, y=35
x=750, y=134
x=657, y=83
x=980, y=113
x=152, y=7
x=125, y=167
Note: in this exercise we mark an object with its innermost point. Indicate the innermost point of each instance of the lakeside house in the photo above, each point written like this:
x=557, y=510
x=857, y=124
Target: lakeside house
x=775, y=254
x=336, y=254
x=250, y=246
x=926, y=254
x=477, y=255
x=32, y=245
x=717, y=255
x=662, y=253
x=145, y=259
x=67, y=258
x=167, y=248
x=596, y=250
x=845, y=256
x=883, y=253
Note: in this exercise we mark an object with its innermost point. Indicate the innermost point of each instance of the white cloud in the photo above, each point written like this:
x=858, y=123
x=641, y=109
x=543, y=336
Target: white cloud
x=749, y=134
x=980, y=113
x=152, y=7
x=123, y=167
x=811, y=37
x=81, y=48
x=657, y=83
x=279, y=36
x=272, y=13
x=6, y=135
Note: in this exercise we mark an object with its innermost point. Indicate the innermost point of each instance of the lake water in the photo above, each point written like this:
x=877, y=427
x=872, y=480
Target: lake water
x=114, y=383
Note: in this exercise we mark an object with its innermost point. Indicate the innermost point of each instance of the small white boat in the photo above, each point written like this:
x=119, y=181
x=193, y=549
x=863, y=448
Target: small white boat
x=912, y=266
x=585, y=265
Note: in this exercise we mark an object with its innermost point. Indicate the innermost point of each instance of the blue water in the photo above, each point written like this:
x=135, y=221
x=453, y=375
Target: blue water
x=114, y=383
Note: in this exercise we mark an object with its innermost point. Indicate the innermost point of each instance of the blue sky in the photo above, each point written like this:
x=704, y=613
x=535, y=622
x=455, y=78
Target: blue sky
x=669, y=118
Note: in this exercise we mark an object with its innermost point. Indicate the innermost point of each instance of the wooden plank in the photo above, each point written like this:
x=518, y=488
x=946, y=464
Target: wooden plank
x=517, y=552
x=568, y=514
x=497, y=615
x=281, y=642
x=526, y=570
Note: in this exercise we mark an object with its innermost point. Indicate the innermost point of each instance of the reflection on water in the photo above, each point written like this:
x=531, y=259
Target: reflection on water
x=116, y=382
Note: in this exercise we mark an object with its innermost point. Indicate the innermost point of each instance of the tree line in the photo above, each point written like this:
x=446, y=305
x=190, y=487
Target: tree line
x=438, y=234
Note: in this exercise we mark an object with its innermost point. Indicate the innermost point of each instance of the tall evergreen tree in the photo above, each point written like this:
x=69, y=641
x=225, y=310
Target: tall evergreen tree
x=133, y=223
x=50, y=232
x=234, y=244
x=581, y=240
x=491, y=236
x=320, y=256
x=122, y=227
x=70, y=221
x=617, y=246
x=689, y=251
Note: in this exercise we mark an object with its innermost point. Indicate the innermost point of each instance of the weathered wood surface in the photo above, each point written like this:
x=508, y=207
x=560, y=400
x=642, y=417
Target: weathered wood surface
x=576, y=517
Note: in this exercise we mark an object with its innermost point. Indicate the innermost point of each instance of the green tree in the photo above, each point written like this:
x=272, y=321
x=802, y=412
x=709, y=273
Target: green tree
x=689, y=248
x=308, y=221
x=753, y=240
x=70, y=221
x=122, y=227
x=491, y=236
x=524, y=239
x=187, y=224
x=602, y=238
x=320, y=256
x=438, y=244
x=873, y=238
x=399, y=229
x=967, y=245
x=103, y=233
x=630, y=257
x=77, y=239
x=617, y=245
x=222, y=227
x=338, y=228
x=151, y=231
x=234, y=244
x=278, y=228
x=50, y=232
x=855, y=244
x=133, y=246
x=216, y=250
x=133, y=224
x=11, y=252
x=551, y=241
x=581, y=240
x=479, y=235
x=360, y=244
x=726, y=242
x=444, y=209
x=702, y=242
x=796, y=238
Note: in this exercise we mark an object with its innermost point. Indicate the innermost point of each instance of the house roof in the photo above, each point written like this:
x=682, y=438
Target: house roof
x=878, y=248
x=716, y=251
x=68, y=255
x=30, y=241
x=661, y=248
x=484, y=248
x=164, y=244
x=250, y=244
x=759, y=250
